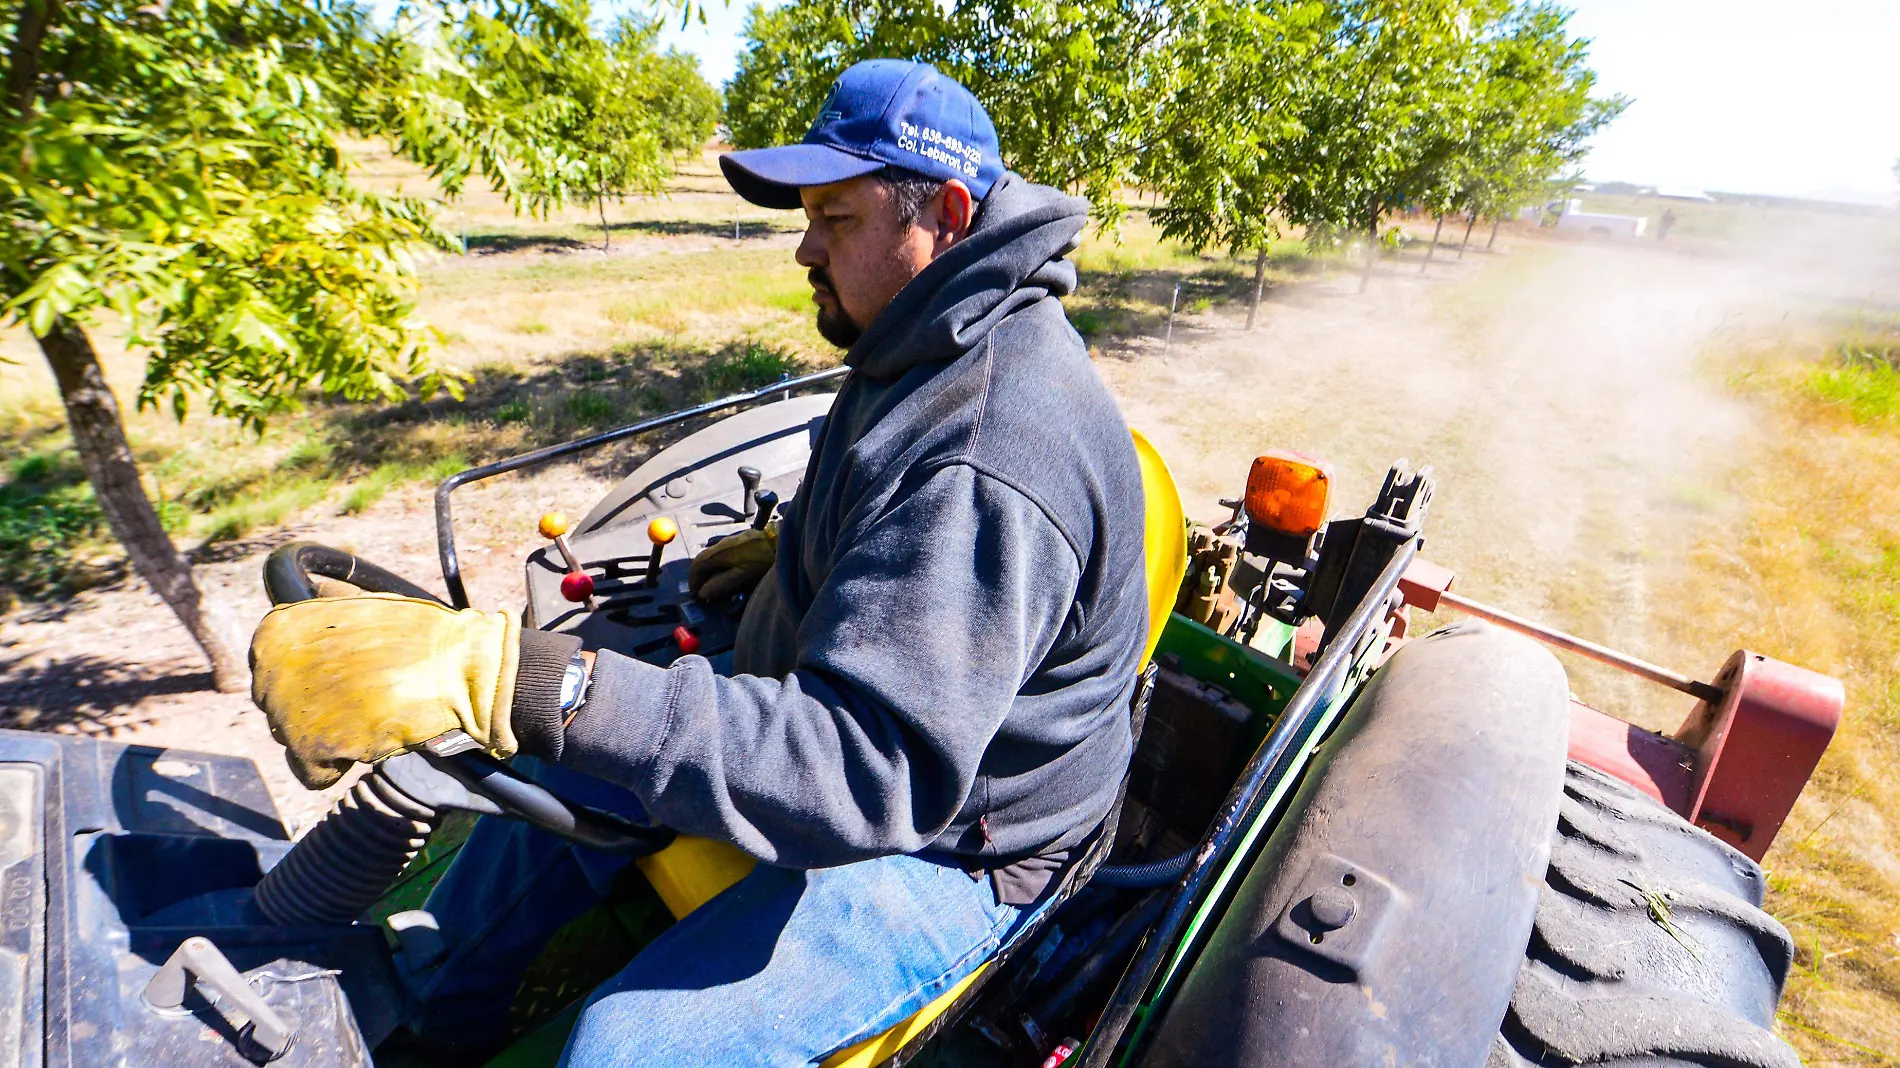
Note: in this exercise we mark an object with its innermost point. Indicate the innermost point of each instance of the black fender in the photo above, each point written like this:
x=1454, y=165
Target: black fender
x=1385, y=921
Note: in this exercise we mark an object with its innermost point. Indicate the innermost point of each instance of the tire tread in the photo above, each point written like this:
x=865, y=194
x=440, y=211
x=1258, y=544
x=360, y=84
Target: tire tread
x=1649, y=949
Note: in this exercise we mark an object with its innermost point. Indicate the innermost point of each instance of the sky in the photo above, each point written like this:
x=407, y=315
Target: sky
x=1755, y=96
x=1748, y=95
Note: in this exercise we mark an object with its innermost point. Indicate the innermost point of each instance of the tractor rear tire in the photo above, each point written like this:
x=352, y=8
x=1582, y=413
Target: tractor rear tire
x=1650, y=946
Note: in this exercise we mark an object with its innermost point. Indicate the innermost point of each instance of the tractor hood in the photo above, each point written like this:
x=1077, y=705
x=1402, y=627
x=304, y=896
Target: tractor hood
x=1013, y=256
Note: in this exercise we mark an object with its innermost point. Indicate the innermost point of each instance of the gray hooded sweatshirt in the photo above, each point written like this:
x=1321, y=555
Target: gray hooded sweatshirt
x=941, y=662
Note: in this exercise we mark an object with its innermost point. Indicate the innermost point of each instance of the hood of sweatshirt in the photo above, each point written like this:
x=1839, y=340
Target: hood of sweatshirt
x=1012, y=256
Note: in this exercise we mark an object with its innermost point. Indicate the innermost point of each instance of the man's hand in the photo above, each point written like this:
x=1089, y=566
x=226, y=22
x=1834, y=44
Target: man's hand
x=349, y=679
x=733, y=565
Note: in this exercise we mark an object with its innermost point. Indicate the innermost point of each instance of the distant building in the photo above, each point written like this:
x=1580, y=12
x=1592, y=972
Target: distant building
x=1683, y=192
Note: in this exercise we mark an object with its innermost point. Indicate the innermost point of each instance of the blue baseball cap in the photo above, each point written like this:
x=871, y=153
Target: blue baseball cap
x=880, y=113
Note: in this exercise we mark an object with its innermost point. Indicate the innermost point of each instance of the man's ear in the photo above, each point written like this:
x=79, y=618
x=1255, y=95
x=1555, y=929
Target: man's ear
x=954, y=208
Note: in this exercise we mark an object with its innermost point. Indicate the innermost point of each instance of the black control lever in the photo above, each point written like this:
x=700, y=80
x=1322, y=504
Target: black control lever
x=765, y=502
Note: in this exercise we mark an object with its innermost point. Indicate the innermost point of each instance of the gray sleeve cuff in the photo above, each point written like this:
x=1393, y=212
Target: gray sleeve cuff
x=628, y=717
x=536, y=715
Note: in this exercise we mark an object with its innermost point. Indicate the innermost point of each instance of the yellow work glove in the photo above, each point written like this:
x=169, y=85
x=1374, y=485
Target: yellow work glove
x=349, y=679
x=733, y=564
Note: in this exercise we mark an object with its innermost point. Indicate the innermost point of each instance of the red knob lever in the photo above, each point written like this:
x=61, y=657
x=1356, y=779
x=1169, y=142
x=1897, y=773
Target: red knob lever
x=686, y=640
x=576, y=585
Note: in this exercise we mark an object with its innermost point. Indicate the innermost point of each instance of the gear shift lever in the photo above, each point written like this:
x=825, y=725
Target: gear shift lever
x=749, y=478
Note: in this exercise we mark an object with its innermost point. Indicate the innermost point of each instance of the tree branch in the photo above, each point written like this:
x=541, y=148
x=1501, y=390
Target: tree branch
x=23, y=59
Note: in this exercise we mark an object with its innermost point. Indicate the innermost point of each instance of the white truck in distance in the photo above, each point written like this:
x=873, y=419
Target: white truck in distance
x=1600, y=225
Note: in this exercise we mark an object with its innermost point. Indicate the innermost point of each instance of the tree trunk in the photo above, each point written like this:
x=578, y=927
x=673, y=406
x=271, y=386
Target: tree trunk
x=1494, y=234
x=1436, y=230
x=1372, y=253
x=606, y=235
x=1259, y=284
x=23, y=58
x=92, y=412
x=1469, y=223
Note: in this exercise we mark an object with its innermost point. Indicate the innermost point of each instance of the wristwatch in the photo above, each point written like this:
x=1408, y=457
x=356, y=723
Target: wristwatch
x=574, y=685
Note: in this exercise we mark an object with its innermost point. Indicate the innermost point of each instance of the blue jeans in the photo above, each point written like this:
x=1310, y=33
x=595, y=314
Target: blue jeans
x=783, y=968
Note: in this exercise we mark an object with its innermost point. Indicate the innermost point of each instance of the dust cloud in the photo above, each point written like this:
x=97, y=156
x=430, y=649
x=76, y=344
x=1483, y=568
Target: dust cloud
x=1568, y=395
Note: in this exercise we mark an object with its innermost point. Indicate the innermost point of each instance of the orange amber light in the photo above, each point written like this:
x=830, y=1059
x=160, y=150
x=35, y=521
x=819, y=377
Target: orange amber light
x=1288, y=493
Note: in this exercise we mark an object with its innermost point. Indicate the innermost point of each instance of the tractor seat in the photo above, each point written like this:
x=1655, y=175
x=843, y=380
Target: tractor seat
x=692, y=871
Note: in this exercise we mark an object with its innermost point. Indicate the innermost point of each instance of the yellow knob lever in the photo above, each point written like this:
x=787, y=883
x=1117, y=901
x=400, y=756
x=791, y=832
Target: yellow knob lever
x=661, y=532
x=552, y=525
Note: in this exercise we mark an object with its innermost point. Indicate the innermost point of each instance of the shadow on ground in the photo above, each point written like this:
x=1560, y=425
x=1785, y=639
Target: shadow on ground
x=495, y=244
x=504, y=411
x=700, y=228
x=88, y=692
x=498, y=243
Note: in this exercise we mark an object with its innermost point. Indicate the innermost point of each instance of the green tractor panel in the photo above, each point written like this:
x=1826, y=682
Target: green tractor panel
x=1338, y=843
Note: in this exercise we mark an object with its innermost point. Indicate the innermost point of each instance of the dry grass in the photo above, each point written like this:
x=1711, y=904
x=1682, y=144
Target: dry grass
x=1812, y=575
x=698, y=295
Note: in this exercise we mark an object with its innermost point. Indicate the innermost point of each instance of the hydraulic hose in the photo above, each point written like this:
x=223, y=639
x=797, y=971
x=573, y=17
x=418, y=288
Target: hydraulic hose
x=353, y=855
x=350, y=858
x=1143, y=876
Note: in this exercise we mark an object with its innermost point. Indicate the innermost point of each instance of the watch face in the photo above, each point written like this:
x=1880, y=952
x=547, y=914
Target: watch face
x=573, y=683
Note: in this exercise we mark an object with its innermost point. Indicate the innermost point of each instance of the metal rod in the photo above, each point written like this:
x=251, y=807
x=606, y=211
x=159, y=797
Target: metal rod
x=1601, y=654
x=1270, y=764
x=444, y=519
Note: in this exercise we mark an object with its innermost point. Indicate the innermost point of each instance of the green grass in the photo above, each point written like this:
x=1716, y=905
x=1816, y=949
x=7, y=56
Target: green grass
x=1861, y=378
x=591, y=409
x=216, y=483
x=266, y=506
x=749, y=368
x=47, y=518
x=370, y=488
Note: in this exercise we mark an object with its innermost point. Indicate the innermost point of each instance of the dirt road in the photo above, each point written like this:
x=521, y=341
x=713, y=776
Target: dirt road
x=1554, y=391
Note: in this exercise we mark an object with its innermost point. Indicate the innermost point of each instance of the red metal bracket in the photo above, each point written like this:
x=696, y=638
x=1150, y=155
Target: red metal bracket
x=1423, y=583
x=1656, y=764
x=1735, y=766
x=1758, y=747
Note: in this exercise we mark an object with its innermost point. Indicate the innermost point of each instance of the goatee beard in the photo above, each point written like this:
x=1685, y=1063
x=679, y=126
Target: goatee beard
x=833, y=324
x=836, y=327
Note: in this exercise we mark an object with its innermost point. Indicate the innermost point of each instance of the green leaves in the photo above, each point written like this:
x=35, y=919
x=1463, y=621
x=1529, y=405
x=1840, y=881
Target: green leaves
x=1071, y=87
x=180, y=168
x=1246, y=113
x=1328, y=114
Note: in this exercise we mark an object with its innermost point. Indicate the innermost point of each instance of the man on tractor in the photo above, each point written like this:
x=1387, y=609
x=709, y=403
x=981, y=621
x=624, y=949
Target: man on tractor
x=925, y=722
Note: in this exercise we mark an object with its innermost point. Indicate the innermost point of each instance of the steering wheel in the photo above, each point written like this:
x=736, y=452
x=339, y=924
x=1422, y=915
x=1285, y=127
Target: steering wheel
x=446, y=772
